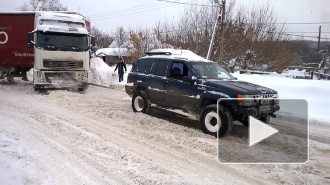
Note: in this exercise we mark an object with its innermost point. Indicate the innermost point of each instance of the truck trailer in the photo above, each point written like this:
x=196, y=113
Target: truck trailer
x=57, y=45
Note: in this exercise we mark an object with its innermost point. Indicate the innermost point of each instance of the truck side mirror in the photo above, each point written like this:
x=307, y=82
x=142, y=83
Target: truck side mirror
x=93, y=41
x=29, y=40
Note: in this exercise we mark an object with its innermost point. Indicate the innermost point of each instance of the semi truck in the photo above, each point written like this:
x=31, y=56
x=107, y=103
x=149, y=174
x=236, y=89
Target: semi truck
x=57, y=45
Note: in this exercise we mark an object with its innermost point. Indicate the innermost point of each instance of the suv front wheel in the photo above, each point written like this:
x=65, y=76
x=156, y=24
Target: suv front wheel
x=141, y=103
x=209, y=120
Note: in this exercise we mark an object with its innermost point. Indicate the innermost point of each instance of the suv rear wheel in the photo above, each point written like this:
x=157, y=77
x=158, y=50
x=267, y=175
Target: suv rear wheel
x=141, y=103
x=209, y=120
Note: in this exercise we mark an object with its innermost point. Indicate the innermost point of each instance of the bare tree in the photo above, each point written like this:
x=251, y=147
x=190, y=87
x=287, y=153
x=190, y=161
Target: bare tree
x=42, y=5
x=252, y=37
x=102, y=39
x=121, y=38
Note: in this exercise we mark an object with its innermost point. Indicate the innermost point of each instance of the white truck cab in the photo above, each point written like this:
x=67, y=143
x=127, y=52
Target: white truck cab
x=62, y=46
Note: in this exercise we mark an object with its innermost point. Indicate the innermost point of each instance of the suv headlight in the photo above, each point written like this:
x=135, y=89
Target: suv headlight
x=245, y=100
x=276, y=98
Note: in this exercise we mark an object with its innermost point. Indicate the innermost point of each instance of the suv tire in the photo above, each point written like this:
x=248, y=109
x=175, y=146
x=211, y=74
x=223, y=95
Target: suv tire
x=141, y=103
x=208, y=120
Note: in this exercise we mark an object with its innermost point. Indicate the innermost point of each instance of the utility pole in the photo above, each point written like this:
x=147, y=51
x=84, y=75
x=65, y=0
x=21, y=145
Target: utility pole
x=319, y=39
x=221, y=18
x=213, y=35
x=222, y=30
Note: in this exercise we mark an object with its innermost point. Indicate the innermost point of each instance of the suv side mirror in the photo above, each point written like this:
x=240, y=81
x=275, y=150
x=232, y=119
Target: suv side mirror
x=30, y=39
x=189, y=79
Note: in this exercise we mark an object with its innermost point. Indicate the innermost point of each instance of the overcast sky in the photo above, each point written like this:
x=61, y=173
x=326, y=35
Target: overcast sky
x=109, y=14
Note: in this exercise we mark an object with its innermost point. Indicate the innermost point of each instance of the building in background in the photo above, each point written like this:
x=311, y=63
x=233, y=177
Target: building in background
x=111, y=56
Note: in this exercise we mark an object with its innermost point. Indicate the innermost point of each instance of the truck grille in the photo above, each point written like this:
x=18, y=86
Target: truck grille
x=60, y=77
x=63, y=64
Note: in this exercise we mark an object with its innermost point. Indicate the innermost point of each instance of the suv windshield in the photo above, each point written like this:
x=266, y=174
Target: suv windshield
x=62, y=41
x=210, y=70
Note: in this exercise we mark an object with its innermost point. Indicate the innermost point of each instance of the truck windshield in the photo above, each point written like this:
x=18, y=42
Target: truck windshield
x=62, y=41
x=210, y=70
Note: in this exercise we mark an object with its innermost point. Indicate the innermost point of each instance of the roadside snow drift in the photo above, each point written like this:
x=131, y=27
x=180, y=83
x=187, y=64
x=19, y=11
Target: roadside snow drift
x=100, y=73
x=316, y=92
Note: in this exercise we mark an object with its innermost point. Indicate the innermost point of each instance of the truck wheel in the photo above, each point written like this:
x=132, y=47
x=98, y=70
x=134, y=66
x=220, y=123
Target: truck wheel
x=209, y=121
x=141, y=103
x=35, y=88
x=82, y=89
x=265, y=119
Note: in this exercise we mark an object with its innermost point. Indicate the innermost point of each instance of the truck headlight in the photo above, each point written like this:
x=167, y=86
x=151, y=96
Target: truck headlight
x=39, y=74
x=85, y=77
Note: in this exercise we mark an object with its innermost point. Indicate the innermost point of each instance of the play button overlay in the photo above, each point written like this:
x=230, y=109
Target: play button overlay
x=265, y=131
x=259, y=131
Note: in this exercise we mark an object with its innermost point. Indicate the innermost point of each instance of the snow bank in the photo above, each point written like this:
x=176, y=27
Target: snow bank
x=315, y=92
x=100, y=73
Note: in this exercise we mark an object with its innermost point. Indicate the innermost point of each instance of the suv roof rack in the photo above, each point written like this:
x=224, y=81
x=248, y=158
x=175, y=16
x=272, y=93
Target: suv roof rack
x=158, y=53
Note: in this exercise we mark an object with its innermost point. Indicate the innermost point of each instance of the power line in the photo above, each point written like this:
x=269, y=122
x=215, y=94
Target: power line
x=305, y=32
x=303, y=23
x=114, y=15
x=284, y=33
x=176, y=2
x=102, y=18
x=127, y=9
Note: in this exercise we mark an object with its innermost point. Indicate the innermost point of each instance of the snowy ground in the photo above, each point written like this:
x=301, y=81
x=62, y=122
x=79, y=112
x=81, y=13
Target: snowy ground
x=95, y=138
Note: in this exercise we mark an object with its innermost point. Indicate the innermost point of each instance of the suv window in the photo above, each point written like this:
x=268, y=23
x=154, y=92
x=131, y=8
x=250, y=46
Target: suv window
x=210, y=70
x=143, y=66
x=161, y=68
x=179, y=70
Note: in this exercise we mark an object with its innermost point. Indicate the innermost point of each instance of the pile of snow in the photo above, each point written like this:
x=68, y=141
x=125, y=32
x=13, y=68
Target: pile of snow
x=100, y=73
x=315, y=92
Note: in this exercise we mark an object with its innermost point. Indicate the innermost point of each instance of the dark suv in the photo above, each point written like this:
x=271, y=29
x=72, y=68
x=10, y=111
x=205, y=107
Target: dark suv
x=180, y=79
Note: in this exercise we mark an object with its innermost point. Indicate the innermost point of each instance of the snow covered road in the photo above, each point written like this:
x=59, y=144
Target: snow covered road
x=95, y=138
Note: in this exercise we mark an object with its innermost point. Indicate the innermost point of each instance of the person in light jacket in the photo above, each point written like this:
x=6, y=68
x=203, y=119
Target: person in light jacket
x=121, y=66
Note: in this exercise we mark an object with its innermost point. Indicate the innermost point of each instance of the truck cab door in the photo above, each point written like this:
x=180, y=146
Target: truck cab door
x=179, y=94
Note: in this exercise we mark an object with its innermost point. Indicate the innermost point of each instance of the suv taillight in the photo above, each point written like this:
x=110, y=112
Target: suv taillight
x=128, y=79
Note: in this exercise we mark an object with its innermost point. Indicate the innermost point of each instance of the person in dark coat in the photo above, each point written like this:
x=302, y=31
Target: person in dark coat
x=121, y=66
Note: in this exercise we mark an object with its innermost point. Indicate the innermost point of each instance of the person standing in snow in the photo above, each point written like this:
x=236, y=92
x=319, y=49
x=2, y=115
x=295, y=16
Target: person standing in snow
x=121, y=66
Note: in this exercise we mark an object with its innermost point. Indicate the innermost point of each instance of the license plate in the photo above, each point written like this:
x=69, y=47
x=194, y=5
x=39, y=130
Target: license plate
x=264, y=108
x=57, y=81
